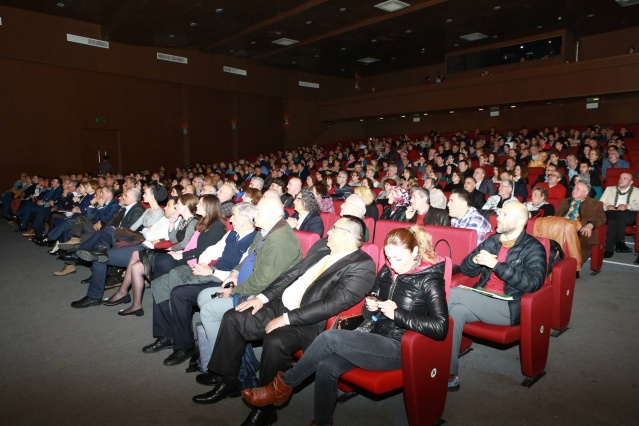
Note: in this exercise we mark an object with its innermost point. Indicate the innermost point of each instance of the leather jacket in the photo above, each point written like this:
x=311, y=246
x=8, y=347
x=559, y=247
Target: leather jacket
x=524, y=270
x=398, y=215
x=421, y=302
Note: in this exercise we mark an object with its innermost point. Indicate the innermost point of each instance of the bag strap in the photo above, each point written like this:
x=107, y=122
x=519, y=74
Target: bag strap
x=450, y=252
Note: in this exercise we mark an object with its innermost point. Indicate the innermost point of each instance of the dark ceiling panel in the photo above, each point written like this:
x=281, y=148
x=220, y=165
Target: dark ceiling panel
x=332, y=40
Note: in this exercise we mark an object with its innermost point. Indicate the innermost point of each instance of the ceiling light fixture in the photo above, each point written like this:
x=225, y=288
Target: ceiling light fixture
x=539, y=27
x=171, y=35
x=496, y=7
x=193, y=24
x=342, y=9
x=473, y=36
x=368, y=60
x=449, y=20
x=452, y=112
x=219, y=10
x=409, y=31
x=342, y=49
x=481, y=109
x=309, y=22
x=425, y=113
x=60, y=4
x=513, y=106
x=392, y=5
x=285, y=41
x=403, y=116
x=559, y=18
x=374, y=40
x=381, y=118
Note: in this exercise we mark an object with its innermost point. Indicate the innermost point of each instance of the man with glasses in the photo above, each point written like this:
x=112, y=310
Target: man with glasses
x=553, y=186
x=198, y=183
x=290, y=313
x=343, y=190
x=504, y=196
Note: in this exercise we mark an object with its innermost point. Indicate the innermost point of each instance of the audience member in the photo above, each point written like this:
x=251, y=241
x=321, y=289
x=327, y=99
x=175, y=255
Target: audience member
x=621, y=204
x=464, y=215
x=420, y=211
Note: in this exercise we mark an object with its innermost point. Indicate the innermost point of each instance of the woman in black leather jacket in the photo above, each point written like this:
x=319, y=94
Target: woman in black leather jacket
x=398, y=200
x=410, y=295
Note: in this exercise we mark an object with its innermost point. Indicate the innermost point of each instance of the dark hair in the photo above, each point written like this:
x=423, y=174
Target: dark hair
x=320, y=188
x=212, y=212
x=179, y=189
x=357, y=227
x=190, y=201
x=308, y=200
x=279, y=182
x=464, y=195
x=392, y=182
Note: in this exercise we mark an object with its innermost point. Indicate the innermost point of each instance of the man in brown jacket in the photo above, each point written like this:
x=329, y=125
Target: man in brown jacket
x=588, y=211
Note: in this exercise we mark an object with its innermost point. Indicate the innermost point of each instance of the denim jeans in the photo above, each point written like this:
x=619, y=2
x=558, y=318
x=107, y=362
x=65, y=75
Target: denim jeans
x=333, y=353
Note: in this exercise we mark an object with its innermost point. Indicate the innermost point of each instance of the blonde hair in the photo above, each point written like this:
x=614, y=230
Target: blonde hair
x=409, y=238
x=366, y=194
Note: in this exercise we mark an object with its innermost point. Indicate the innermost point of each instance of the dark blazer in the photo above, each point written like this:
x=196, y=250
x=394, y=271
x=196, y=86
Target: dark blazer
x=478, y=199
x=434, y=216
x=312, y=223
x=487, y=187
x=338, y=288
x=131, y=216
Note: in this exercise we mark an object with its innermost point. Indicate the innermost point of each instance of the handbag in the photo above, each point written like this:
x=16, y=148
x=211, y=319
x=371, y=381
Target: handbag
x=355, y=322
x=124, y=237
x=456, y=268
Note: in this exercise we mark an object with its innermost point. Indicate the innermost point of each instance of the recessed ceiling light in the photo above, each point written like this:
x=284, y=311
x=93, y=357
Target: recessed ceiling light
x=403, y=116
x=409, y=31
x=253, y=42
x=231, y=51
x=309, y=22
x=361, y=119
x=317, y=56
x=495, y=36
x=374, y=40
x=392, y=5
x=473, y=36
x=449, y=20
x=342, y=9
x=559, y=18
x=496, y=7
x=368, y=60
x=592, y=15
x=193, y=24
x=456, y=44
x=549, y=41
x=452, y=111
x=294, y=62
x=513, y=106
x=171, y=35
x=425, y=113
x=521, y=47
x=219, y=10
x=285, y=41
x=381, y=118
x=481, y=109
x=60, y=4
x=539, y=27
x=343, y=48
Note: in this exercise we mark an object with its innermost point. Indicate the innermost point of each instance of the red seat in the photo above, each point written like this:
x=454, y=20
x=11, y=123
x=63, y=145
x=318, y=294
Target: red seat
x=307, y=239
x=532, y=333
x=462, y=241
x=634, y=231
x=563, y=281
x=424, y=374
x=373, y=251
x=596, y=257
x=290, y=211
x=337, y=205
x=383, y=227
x=612, y=175
x=329, y=220
x=370, y=224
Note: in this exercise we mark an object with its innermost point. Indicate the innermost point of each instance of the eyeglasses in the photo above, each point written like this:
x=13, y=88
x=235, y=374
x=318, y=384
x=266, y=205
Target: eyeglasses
x=334, y=227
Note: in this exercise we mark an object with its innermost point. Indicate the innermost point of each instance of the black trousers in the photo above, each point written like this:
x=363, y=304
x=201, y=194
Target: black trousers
x=240, y=328
x=617, y=220
x=183, y=303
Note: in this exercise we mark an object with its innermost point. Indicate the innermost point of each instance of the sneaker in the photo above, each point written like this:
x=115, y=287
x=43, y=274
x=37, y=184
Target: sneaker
x=453, y=385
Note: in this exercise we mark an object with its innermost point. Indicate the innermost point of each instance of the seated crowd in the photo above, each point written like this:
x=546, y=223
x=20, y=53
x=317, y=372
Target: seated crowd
x=221, y=239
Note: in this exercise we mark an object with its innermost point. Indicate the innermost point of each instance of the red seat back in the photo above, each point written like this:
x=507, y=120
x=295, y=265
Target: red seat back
x=462, y=241
x=329, y=220
x=370, y=224
x=307, y=239
x=383, y=227
x=290, y=211
x=373, y=251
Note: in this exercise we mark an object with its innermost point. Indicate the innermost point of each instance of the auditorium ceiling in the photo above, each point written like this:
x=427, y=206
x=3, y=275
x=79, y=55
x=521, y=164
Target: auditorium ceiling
x=333, y=37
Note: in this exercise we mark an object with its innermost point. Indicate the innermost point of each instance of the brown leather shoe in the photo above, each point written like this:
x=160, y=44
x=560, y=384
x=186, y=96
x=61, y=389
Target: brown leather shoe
x=276, y=393
x=68, y=269
x=29, y=233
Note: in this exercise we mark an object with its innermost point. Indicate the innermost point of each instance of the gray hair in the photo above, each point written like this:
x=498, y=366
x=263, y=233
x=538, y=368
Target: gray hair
x=136, y=193
x=309, y=201
x=248, y=210
x=259, y=180
x=508, y=182
x=423, y=193
x=585, y=182
x=359, y=204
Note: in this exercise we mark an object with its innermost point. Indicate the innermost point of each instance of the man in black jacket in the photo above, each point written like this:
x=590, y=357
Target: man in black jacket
x=511, y=264
x=421, y=211
x=290, y=313
x=477, y=198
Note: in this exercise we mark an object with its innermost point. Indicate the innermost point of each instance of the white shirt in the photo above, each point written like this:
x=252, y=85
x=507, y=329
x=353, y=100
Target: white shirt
x=301, y=219
x=292, y=296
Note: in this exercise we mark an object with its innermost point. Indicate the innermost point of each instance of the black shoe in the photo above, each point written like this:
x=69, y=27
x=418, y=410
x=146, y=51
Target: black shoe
x=137, y=313
x=208, y=379
x=86, y=302
x=43, y=242
x=179, y=356
x=261, y=416
x=124, y=299
x=158, y=345
x=69, y=257
x=220, y=391
x=99, y=254
x=622, y=248
x=608, y=254
x=86, y=280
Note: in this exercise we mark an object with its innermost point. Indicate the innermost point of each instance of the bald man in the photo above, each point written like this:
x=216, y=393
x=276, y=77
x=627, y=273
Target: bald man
x=293, y=188
x=511, y=263
x=225, y=194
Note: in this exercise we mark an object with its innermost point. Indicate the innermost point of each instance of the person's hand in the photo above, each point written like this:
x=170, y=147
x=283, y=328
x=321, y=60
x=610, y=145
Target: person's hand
x=586, y=231
x=40, y=203
x=275, y=323
x=232, y=279
x=388, y=308
x=254, y=304
x=51, y=203
x=97, y=226
x=292, y=222
x=177, y=255
x=76, y=210
x=410, y=212
x=622, y=207
x=484, y=258
x=225, y=292
x=202, y=270
x=372, y=304
x=611, y=207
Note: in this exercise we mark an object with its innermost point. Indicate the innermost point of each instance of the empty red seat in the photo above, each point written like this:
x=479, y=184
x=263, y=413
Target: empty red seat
x=307, y=239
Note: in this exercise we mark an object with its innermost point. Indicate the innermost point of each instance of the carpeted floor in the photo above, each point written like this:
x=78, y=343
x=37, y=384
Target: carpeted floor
x=67, y=366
